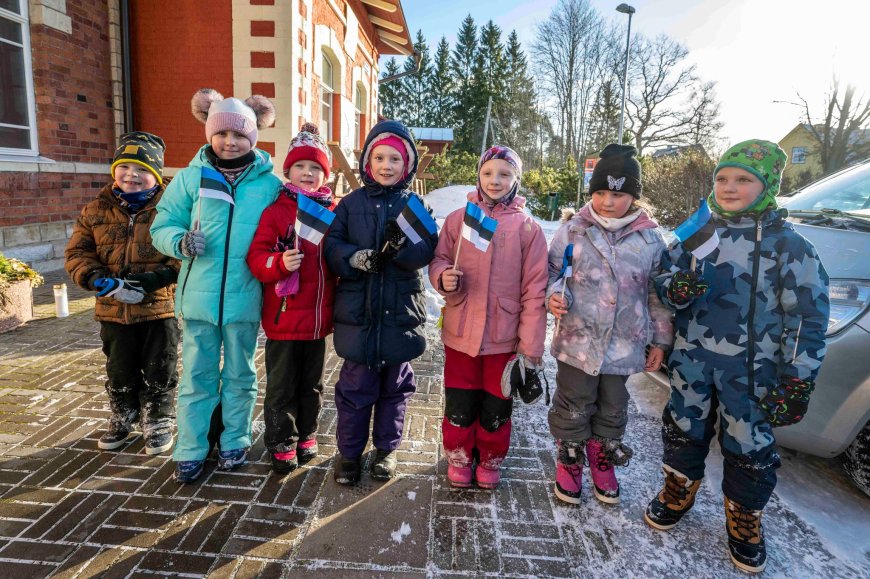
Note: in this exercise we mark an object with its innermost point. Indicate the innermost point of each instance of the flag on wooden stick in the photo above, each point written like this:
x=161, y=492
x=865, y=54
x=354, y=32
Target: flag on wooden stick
x=477, y=227
x=312, y=219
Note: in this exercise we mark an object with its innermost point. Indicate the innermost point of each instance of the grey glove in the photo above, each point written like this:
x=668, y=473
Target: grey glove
x=365, y=260
x=193, y=243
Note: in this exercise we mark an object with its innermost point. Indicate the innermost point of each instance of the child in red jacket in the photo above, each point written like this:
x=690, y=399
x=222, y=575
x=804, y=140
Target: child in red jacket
x=297, y=306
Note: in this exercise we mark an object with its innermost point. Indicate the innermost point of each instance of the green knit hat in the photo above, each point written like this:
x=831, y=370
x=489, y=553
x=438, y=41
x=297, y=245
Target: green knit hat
x=763, y=159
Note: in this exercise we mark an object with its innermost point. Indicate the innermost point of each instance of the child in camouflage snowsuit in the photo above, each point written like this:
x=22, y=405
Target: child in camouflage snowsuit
x=750, y=319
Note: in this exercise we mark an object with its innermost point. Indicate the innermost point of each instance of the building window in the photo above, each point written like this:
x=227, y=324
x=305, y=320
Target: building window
x=327, y=90
x=17, y=111
x=798, y=155
x=359, y=104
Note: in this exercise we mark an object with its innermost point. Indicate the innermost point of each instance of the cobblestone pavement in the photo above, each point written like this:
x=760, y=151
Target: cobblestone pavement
x=68, y=509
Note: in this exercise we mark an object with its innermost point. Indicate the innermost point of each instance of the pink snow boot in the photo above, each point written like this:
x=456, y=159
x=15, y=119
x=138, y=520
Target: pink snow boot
x=603, y=454
x=487, y=478
x=569, y=471
x=459, y=476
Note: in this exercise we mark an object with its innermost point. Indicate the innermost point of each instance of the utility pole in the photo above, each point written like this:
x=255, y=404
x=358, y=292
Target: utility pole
x=486, y=126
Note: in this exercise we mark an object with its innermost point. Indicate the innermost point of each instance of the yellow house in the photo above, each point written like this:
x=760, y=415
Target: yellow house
x=801, y=146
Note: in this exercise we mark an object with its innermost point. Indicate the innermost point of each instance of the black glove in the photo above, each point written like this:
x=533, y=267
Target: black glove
x=686, y=285
x=151, y=281
x=787, y=403
x=394, y=235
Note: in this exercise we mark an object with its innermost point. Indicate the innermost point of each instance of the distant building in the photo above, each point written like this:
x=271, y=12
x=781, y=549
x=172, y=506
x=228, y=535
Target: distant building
x=804, y=158
x=437, y=140
x=676, y=150
x=76, y=75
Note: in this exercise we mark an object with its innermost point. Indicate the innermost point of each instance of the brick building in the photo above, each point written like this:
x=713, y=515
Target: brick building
x=75, y=74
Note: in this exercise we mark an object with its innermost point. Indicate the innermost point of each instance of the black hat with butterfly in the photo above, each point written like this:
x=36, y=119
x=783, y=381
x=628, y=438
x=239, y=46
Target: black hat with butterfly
x=617, y=170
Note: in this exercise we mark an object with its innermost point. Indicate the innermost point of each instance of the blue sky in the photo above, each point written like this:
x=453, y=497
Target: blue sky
x=759, y=51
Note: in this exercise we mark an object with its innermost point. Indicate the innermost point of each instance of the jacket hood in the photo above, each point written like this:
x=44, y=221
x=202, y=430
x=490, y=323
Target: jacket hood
x=398, y=129
x=262, y=160
x=518, y=203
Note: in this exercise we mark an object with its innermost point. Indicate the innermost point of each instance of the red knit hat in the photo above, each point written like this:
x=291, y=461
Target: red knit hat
x=308, y=146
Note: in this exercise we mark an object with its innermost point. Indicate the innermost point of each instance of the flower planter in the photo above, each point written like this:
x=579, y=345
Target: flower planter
x=19, y=306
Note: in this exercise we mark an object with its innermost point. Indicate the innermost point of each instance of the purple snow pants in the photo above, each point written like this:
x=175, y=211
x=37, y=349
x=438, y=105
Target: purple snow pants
x=358, y=391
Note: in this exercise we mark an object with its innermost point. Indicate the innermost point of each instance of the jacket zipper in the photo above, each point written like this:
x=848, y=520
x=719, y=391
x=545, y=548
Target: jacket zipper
x=233, y=186
x=318, y=304
x=126, y=307
x=756, y=264
x=380, y=240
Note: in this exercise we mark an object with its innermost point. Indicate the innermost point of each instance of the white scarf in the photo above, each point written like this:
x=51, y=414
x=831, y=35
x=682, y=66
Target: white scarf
x=614, y=224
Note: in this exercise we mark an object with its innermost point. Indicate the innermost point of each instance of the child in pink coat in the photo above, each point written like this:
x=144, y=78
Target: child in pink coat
x=494, y=311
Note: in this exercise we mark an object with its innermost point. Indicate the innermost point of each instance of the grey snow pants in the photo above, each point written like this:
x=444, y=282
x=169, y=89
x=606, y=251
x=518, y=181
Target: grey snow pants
x=586, y=406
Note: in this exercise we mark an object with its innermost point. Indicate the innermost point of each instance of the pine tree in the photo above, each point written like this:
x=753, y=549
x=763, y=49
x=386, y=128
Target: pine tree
x=442, y=88
x=518, y=120
x=462, y=69
x=417, y=87
x=391, y=93
x=604, y=116
x=490, y=76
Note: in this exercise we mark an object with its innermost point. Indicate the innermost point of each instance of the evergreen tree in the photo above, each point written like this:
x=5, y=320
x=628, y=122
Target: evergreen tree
x=417, y=87
x=490, y=76
x=604, y=116
x=442, y=87
x=391, y=93
x=519, y=122
x=462, y=68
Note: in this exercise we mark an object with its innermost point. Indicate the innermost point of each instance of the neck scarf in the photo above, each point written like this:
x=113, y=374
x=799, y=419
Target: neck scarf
x=136, y=200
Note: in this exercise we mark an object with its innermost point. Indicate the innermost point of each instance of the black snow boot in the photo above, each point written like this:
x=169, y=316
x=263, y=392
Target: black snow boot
x=675, y=499
x=347, y=470
x=120, y=425
x=384, y=465
x=745, y=537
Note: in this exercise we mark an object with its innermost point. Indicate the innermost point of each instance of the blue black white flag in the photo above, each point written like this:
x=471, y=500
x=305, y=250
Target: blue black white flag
x=415, y=221
x=568, y=262
x=698, y=233
x=312, y=219
x=213, y=186
x=477, y=227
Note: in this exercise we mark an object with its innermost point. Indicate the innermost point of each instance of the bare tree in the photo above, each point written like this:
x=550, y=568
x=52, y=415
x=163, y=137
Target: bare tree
x=703, y=115
x=845, y=116
x=659, y=87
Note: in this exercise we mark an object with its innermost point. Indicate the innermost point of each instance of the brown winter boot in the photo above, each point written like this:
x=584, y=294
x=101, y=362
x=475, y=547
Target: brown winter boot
x=745, y=537
x=675, y=499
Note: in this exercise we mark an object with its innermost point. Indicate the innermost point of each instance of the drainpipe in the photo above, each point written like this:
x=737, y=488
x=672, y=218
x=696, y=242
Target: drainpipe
x=416, y=55
x=125, y=66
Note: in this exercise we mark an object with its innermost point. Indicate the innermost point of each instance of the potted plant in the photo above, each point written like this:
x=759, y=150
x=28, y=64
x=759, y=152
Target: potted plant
x=17, y=281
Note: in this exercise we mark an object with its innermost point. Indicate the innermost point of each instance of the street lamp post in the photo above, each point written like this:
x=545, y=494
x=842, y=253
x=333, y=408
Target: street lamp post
x=625, y=9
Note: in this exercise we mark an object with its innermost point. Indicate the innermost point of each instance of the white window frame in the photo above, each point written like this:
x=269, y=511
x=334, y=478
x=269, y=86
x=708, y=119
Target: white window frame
x=327, y=88
x=794, y=153
x=360, y=108
x=23, y=19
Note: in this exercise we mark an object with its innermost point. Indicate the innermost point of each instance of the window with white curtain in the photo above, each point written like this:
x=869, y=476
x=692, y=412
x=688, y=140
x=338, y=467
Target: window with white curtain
x=17, y=110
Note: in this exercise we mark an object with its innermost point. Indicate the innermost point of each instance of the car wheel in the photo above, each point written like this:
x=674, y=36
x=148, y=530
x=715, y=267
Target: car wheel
x=856, y=459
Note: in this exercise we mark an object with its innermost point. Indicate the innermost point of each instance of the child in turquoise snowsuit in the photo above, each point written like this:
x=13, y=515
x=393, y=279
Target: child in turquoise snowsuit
x=207, y=218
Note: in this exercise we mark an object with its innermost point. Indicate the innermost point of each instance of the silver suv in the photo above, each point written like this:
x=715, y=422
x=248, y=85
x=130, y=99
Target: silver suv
x=834, y=214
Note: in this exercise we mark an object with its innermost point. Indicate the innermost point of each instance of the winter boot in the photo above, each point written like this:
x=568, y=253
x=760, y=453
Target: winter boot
x=569, y=471
x=284, y=462
x=158, y=436
x=459, y=476
x=384, y=465
x=675, y=499
x=603, y=454
x=487, y=478
x=120, y=425
x=187, y=471
x=745, y=537
x=306, y=450
x=232, y=459
x=347, y=470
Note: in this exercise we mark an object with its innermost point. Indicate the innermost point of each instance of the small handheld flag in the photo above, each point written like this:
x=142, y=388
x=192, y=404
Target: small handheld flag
x=477, y=227
x=312, y=219
x=698, y=233
x=213, y=185
x=568, y=262
x=415, y=221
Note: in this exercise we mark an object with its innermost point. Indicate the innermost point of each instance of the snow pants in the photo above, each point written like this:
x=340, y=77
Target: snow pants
x=701, y=392
x=205, y=383
x=586, y=405
x=476, y=415
x=294, y=391
x=141, y=367
x=361, y=390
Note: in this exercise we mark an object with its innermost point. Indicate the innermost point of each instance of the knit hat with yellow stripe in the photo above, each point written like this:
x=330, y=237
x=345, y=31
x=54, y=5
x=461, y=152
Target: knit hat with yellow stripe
x=140, y=148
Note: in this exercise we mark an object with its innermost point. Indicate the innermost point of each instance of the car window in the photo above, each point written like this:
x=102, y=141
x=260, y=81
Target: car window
x=848, y=191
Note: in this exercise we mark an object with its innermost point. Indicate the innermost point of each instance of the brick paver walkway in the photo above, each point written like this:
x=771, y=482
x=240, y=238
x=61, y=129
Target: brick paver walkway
x=68, y=509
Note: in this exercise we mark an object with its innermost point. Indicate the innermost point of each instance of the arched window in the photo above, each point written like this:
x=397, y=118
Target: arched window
x=327, y=102
x=360, y=107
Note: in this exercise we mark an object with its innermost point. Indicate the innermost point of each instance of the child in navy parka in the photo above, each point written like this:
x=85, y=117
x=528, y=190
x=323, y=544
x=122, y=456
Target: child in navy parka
x=379, y=304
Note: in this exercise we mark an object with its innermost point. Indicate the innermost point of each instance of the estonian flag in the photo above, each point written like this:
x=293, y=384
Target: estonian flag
x=213, y=185
x=568, y=262
x=477, y=227
x=415, y=221
x=312, y=219
x=698, y=233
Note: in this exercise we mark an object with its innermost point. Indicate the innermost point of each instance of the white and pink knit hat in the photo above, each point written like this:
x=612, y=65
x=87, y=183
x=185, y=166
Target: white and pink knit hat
x=231, y=114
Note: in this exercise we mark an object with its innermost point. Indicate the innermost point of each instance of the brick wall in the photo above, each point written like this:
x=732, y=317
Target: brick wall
x=172, y=58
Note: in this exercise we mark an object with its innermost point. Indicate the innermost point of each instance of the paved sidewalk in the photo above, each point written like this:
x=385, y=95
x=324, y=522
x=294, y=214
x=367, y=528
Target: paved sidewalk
x=68, y=509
